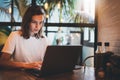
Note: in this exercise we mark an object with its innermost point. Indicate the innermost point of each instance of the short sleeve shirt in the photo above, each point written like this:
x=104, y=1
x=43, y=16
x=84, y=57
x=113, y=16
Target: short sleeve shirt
x=25, y=50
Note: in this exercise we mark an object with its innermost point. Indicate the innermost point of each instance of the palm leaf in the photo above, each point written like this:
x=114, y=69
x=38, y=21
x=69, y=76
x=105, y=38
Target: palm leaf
x=67, y=6
x=4, y=13
x=22, y=6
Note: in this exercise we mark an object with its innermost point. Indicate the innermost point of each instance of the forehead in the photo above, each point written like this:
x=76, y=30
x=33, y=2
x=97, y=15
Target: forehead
x=38, y=17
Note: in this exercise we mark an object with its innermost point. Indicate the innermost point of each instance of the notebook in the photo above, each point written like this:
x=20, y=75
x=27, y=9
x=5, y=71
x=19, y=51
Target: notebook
x=58, y=59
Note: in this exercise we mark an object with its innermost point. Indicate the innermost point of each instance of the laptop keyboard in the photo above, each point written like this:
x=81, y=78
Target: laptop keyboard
x=34, y=72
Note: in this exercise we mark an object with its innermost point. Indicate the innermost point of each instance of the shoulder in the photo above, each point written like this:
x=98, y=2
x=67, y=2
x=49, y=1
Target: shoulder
x=15, y=33
x=46, y=39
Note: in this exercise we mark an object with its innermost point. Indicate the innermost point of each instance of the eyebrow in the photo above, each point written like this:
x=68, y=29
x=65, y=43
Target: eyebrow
x=37, y=21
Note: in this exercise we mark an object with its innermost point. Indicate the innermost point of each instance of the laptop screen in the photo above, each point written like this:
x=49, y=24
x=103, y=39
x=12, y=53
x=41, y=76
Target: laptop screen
x=60, y=59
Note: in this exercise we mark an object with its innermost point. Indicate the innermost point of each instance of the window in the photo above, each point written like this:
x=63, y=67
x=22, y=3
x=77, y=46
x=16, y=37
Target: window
x=76, y=18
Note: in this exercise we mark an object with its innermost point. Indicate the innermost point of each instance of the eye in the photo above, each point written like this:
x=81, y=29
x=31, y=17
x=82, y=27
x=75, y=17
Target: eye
x=33, y=21
x=37, y=22
x=41, y=22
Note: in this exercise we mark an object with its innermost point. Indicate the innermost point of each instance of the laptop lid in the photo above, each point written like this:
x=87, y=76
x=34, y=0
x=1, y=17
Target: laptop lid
x=59, y=59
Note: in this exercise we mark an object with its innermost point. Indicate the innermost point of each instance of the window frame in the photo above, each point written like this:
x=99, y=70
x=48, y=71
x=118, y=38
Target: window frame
x=82, y=25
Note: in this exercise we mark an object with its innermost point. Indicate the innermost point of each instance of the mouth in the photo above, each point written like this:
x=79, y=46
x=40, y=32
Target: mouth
x=36, y=29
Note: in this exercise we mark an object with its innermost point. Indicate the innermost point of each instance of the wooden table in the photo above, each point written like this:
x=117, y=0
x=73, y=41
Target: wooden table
x=22, y=75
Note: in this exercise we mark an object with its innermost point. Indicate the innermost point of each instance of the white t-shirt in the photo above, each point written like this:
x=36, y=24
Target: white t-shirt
x=25, y=50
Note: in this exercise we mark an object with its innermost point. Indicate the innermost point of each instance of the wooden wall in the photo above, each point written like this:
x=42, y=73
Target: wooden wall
x=109, y=23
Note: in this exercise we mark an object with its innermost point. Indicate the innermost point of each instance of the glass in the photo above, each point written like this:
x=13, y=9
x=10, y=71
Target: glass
x=70, y=35
x=64, y=35
x=89, y=34
x=77, y=11
x=5, y=15
x=18, y=12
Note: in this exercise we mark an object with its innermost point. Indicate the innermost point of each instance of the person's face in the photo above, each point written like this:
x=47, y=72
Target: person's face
x=36, y=24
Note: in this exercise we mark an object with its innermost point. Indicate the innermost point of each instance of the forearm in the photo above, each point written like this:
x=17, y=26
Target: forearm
x=11, y=64
x=7, y=63
x=20, y=65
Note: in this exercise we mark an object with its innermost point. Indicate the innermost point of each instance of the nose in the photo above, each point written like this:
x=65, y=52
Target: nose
x=37, y=25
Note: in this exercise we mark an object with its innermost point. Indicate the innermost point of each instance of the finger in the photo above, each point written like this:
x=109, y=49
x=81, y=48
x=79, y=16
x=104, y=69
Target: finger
x=37, y=65
x=38, y=68
x=39, y=62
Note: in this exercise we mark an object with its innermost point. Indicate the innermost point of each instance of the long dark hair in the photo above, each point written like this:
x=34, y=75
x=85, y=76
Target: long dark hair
x=31, y=11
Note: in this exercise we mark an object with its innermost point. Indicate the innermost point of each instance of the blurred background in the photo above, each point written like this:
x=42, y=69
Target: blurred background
x=68, y=22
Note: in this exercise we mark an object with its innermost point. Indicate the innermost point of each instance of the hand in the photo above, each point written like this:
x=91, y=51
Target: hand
x=34, y=65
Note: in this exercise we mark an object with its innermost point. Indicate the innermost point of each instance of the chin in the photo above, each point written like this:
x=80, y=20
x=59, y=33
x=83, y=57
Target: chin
x=36, y=32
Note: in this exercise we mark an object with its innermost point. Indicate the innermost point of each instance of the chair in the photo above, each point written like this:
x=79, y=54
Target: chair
x=84, y=61
x=84, y=64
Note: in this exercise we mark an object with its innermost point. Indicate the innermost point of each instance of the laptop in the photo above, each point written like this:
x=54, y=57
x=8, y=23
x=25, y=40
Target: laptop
x=58, y=59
